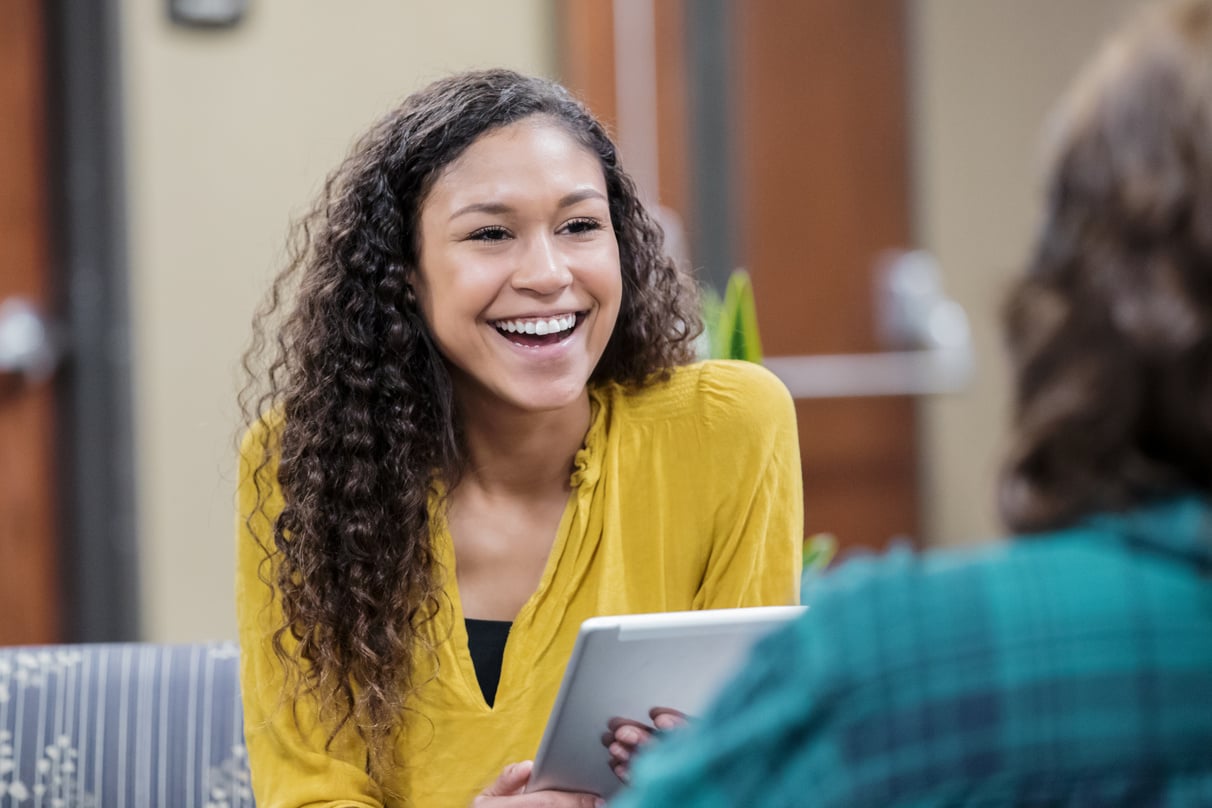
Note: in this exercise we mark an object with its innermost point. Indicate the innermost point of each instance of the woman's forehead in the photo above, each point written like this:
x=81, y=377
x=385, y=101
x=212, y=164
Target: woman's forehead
x=534, y=156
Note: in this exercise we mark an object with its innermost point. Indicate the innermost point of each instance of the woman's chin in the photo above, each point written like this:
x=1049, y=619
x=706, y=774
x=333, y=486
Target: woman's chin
x=554, y=400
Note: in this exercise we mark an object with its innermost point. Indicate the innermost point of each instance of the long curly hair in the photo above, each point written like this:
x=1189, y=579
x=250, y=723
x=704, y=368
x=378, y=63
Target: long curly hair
x=1110, y=332
x=362, y=420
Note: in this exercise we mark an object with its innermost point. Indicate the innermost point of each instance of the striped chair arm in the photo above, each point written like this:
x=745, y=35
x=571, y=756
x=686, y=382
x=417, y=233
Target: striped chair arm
x=127, y=724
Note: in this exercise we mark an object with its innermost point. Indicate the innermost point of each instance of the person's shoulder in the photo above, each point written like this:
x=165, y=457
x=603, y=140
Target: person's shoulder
x=877, y=613
x=873, y=607
x=865, y=576
x=715, y=392
x=732, y=384
x=919, y=603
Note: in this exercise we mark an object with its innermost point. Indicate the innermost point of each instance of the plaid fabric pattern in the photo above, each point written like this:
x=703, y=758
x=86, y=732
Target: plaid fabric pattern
x=1071, y=668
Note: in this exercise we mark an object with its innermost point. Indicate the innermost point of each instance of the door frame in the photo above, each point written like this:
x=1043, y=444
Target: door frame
x=98, y=538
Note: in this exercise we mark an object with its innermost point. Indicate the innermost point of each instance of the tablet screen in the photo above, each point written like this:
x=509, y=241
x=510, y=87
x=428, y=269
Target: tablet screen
x=622, y=666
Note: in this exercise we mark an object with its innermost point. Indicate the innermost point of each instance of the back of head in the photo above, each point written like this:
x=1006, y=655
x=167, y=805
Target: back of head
x=1110, y=332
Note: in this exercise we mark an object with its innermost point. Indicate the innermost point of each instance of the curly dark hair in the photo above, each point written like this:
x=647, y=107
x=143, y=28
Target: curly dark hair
x=1110, y=332
x=352, y=402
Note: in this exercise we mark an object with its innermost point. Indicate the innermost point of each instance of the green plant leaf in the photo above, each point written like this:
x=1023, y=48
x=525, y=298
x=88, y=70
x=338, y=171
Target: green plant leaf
x=730, y=324
x=738, y=321
x=819, y=550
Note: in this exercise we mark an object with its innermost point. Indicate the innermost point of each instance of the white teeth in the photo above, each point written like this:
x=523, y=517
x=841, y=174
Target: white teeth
x=551, y=325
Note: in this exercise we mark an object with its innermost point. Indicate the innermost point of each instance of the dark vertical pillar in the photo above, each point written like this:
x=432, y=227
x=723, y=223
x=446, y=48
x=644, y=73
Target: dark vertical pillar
x=99, y=542
x=711, y=85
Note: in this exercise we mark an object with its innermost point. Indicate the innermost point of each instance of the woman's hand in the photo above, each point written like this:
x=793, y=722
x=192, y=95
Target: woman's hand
x=506, y=792
x=624, y=737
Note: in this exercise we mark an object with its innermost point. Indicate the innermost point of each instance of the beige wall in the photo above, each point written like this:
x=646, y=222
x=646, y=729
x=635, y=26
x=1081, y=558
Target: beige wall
x=229, y=132
x=986, y=73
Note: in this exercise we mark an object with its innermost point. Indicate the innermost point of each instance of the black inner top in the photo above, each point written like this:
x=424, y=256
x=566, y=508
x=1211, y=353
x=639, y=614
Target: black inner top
x=486, y=642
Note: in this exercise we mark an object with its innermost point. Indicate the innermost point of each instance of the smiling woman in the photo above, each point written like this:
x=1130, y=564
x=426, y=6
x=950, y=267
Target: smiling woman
x=519, y=270
x=474, y=422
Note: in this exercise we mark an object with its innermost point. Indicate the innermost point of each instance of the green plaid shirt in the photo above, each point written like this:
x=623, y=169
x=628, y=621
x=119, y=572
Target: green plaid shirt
x=1069, y=668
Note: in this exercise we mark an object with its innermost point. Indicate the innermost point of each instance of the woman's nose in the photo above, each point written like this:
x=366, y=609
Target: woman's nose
x=543, y=268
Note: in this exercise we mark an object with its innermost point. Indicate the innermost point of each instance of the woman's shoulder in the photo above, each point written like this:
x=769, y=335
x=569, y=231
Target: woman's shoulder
x=721, y=391
x=727, y=383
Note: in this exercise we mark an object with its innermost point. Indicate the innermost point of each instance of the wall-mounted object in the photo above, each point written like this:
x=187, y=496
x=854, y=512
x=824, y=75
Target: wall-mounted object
x=926, y=331
x=30, y=345
x=207, y=13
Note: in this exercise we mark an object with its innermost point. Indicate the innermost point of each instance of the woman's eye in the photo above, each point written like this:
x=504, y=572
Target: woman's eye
x=578, y=226
x=492, y=233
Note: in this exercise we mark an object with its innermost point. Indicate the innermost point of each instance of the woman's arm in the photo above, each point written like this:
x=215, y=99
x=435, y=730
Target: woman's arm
x=757, y=549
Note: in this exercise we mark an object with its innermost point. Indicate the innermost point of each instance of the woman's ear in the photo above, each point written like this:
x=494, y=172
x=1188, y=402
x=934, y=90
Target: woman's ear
x=413, y=286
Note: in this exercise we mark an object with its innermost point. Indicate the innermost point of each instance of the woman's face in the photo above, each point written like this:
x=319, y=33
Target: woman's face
x=519, y=268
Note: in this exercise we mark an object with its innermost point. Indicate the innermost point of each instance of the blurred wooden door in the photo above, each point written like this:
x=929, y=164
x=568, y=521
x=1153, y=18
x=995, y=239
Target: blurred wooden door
x=29, y=586
x=819, y=133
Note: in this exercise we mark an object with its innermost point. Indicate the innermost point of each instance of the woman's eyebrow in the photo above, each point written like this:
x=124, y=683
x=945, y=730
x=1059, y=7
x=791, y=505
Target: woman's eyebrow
x=580, y=195
x=481, y=207
x=568, y=200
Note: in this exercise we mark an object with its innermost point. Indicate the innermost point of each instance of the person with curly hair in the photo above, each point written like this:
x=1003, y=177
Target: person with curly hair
x=1073, y=664
x=474, y=421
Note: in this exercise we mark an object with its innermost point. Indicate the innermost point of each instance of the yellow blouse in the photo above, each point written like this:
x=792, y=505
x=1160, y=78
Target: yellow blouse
x=686, y=495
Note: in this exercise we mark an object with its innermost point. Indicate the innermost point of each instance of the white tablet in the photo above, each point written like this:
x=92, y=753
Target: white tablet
x=627, y=664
